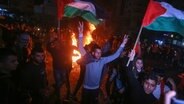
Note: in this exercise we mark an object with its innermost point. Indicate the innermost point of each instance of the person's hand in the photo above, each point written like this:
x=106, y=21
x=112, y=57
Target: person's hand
x=125, y=40
x=132, y=55
x=168, y=96
x=81, y=28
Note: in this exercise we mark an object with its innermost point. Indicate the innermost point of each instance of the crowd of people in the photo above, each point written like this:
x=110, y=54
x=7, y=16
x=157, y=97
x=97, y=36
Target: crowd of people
x=24, y=77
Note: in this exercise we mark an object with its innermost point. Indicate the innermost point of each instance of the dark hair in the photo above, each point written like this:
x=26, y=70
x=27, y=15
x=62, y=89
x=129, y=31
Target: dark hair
x=5, y=52
x=135, y=60
x=94, y=47
x=151, y=75
x=138, y=58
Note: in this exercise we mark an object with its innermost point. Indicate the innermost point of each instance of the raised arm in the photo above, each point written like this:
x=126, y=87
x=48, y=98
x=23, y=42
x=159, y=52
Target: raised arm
x=131, y=56
x=118, y=52
x=80, y=40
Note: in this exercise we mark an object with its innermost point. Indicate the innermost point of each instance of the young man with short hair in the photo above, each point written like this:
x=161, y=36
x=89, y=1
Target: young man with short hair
x=33, y=76
x=94, y=67
x=8, y=88
x=140, y=93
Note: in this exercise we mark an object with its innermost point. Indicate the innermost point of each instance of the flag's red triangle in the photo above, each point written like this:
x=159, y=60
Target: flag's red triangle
x=60, y=7
x=154, y=10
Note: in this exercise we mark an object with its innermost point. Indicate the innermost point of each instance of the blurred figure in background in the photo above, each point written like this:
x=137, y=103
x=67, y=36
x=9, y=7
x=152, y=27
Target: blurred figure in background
x=8, y=88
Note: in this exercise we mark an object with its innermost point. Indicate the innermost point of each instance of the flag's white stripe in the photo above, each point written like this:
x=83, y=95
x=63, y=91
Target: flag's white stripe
x=82, y=5
x=172, y=12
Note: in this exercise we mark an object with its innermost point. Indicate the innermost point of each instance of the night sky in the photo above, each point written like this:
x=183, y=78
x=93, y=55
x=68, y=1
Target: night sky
x=179, y=4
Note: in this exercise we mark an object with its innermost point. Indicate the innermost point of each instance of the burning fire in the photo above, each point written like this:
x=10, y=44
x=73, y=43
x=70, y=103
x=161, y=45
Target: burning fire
x=87, y=40
x=75, y=52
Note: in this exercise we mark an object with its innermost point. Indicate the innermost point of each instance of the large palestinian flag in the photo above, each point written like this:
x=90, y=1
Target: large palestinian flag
x=161, y=16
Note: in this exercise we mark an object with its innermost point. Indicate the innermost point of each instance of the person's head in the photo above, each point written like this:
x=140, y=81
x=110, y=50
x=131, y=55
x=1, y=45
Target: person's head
x=8, y=60
x=149, y=82
x=96, y=52
x=160, y=74
x=139, y=63
x=38, y=55
x=24, y=40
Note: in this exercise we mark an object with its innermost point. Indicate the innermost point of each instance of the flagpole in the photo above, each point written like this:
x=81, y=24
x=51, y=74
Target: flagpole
x=58, y=28
x=137, y=40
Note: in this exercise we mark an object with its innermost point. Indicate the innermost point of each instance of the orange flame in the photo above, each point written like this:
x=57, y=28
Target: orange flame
x=75, y=52
x=88, y=37
x=87, y=40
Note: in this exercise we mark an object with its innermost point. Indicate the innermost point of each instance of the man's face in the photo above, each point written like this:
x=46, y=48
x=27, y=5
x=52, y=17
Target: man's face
x=139, y=64
x=97, y=54
x=10, y=63
x=149, y=86
x=39, y=57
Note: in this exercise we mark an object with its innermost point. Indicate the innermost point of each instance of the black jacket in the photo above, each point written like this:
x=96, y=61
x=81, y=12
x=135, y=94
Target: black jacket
x=8, y=90
x=136, y=94
x=33, y=77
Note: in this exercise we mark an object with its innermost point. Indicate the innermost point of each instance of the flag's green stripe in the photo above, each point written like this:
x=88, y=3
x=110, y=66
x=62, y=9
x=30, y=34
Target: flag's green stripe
x=170, y=24
x=73, y=12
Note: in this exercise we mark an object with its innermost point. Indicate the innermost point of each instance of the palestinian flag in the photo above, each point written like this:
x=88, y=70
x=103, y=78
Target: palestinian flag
x=86, y=10
x=161, y=16
x=60, y=7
